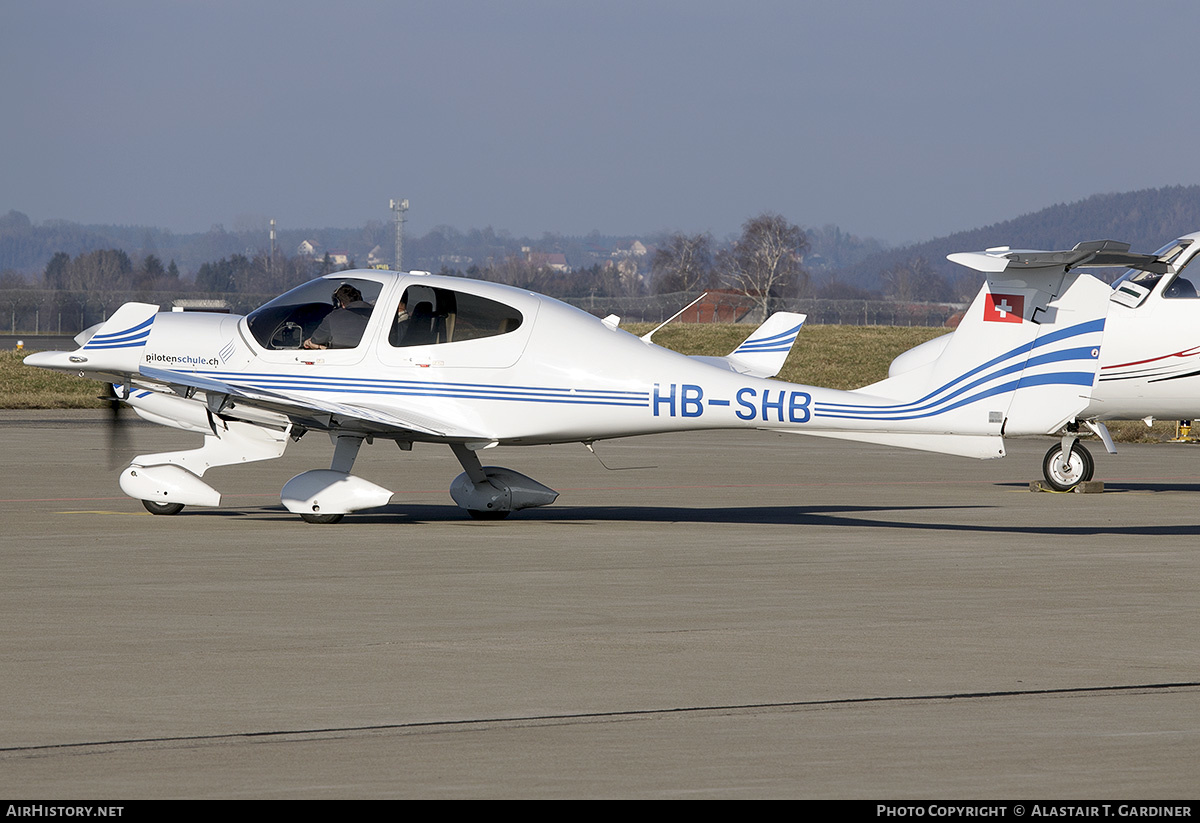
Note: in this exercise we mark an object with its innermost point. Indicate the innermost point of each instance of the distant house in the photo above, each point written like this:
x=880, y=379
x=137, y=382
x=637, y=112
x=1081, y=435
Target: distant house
x=556, y=262
x=553, y=261
x=636, y=249
x=339, y=257
x=631, y=279
x=637, y=254
x=307, y=249
x=375, y=258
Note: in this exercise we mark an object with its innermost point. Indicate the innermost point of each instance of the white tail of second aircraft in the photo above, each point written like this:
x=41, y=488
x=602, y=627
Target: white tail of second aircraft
x=1022, y=361
x=1034, y=351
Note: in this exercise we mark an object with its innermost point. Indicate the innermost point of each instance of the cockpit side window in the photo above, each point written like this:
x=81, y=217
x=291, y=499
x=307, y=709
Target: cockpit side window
x=1168, y=254
x=1183, y=284
x=336, y=311
x=429, y=316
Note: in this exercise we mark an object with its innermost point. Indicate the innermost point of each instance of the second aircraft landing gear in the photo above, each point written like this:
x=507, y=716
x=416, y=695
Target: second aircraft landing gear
x=1067, y=464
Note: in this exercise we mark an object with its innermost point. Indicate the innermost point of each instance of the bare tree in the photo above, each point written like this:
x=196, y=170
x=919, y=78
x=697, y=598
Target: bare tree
x=914, y=280
x=684, y=263
x=629, y=277
x=520, y=271
x=766, y=261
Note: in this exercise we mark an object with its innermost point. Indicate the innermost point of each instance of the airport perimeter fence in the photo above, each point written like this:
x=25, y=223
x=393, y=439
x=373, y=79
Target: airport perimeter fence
x=724, y=307
x=53, y=312
x=46, y=311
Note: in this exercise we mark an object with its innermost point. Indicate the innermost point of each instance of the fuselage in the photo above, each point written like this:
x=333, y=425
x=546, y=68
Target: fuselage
x=1150, y=359
x=504, y=364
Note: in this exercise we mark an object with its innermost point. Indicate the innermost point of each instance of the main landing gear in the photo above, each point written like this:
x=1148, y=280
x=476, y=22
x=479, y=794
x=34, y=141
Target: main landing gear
x=165, y=483
x=486, y=492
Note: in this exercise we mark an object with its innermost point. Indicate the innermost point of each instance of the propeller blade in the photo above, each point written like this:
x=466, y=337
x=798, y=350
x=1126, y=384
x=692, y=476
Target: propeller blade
x=118, y=435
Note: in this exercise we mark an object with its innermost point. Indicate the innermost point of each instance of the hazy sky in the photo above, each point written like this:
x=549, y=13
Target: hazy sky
x=902, y=120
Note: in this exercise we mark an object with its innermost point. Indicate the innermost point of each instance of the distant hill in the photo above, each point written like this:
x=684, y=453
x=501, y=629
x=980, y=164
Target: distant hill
x=1146, y=219
x=26, y=247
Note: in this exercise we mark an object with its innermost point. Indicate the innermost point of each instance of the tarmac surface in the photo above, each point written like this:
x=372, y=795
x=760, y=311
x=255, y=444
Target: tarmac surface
x=759, y=615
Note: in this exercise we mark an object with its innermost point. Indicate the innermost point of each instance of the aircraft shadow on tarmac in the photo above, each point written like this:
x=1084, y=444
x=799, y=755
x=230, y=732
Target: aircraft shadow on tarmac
x=950, y=518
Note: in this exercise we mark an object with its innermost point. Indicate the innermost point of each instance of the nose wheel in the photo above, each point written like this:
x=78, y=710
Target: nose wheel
x=321, y=519
x=154, y=507
x=1065, y=474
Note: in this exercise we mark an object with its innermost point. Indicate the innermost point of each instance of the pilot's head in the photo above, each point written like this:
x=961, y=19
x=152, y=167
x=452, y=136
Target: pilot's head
x=346, y=294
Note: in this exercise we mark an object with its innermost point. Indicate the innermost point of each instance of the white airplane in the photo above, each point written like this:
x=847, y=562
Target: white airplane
x=411, y=357
x=1150, y=357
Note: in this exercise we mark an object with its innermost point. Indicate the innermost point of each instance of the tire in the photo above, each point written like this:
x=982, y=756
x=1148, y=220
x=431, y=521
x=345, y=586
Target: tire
x=1079, y=470
x=321, y=519
x=162, y=508
x=484, y=514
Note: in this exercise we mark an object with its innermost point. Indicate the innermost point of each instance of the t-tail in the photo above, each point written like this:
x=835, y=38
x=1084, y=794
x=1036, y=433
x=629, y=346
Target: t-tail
x=109, y=350
x=763, y=353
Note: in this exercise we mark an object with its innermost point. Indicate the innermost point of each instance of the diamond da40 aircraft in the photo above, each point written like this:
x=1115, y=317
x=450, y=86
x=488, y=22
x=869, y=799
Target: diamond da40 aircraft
x=1150, y=360
x=417, y=358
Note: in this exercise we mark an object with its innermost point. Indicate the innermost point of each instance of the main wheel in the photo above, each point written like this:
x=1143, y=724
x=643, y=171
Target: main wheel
x=1077, y=470
x=321, y=519
x=162, y=508
x=487, y=514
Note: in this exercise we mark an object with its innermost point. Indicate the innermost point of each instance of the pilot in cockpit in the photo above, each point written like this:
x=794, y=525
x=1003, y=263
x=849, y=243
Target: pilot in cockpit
x=343, y=327
x=400, y=324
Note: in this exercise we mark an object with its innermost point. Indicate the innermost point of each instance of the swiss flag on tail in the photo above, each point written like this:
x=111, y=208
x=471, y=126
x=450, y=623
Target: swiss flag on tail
x=1004, y=308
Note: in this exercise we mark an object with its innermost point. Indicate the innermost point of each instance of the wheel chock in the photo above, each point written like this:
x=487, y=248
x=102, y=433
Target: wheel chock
x=1086, y=487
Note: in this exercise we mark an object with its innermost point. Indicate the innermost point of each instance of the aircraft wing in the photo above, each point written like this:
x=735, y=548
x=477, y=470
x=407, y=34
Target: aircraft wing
x=319, y=413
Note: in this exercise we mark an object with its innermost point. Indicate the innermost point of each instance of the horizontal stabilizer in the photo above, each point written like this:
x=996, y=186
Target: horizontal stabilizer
x=1093, y=253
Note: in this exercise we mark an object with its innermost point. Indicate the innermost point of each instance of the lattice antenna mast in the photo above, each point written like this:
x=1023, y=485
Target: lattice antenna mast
x=399, y=207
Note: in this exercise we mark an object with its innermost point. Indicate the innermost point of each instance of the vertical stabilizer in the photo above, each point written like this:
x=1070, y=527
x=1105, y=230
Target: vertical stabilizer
x=764, y=352
x=115, y=347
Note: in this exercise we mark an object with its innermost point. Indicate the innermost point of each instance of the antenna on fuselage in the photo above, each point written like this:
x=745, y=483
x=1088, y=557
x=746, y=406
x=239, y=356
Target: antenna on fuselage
x=650, y=333
x=589, y=445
